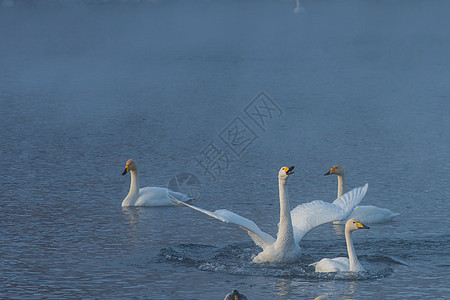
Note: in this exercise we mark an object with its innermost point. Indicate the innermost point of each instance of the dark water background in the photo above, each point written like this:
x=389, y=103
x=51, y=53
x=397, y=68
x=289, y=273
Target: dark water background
x=85, y=86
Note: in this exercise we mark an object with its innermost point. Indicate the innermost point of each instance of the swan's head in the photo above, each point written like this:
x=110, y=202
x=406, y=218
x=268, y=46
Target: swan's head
x=336, y=169
x=353, y=225
x=130, y=166
x=285, y=172
x=235, y=295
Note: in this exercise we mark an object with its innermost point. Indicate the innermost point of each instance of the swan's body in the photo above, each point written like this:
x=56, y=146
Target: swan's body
x=367, y=214
x=343, y=264
x=293, y=225
x=147, y=196
x=370, y=214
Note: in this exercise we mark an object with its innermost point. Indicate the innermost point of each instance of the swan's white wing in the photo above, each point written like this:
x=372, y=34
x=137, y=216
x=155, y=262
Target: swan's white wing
x=312, y=214
x=338, y=264
x=260, y=238
x=346, y=201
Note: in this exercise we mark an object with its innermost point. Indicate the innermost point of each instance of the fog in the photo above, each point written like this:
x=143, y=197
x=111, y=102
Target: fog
x=106, y=62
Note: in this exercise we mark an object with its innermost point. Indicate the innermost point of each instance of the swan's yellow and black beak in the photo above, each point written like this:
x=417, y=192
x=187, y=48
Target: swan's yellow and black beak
x=289, y=171
x=236, y=295
x=361, y=226
x=127, y=169
x=331, y=171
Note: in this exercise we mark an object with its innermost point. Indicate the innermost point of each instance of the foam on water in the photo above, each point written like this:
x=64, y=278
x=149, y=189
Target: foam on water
x=237, y=258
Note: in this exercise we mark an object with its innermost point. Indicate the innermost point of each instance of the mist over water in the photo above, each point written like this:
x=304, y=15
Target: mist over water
x=86, y=85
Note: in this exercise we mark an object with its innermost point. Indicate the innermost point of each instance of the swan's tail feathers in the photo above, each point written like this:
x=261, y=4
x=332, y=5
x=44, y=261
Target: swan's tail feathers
x=372, y=214
x=190, y=200
x=390, y=214
x=174, y=200
x=176, y=196
x=350, y=200
x=309, y=215
x=394, y=215
x=260, y=238
x=186, y=198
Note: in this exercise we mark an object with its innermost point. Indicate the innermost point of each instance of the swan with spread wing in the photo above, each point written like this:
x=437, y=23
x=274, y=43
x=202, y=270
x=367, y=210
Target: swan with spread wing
x=293, y=225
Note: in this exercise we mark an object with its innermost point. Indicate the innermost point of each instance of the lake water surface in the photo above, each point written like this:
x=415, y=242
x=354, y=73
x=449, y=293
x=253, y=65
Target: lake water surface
x=84, y=87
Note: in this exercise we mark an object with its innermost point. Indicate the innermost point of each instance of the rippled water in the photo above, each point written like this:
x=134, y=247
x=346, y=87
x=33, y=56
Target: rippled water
x=85, y=87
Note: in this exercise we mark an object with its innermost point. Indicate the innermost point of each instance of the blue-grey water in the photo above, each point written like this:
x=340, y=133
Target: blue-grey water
x=86, y=85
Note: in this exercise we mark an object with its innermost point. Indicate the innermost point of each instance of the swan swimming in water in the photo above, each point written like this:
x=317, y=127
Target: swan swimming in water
x=147, y=196
x=293, y=225
x=368, y=214
x=343, y=264
x=235, y=295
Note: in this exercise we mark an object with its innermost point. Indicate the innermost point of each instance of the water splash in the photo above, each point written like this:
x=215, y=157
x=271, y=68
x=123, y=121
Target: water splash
x=236, y=259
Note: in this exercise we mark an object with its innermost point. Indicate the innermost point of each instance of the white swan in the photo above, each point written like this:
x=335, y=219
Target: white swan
x=293, y=226
x=147, y=196
x=368, y=214
x=343, y=264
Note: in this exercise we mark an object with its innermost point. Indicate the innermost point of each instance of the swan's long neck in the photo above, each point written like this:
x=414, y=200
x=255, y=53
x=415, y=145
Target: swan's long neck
x=285, y=234
x=133, y=194
x=341, y=185
x=355, y=265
